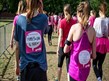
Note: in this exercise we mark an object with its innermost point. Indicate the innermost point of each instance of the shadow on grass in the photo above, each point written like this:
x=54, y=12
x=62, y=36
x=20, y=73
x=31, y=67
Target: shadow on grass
x=54, y=45
x=54, y=36
x=51, y=52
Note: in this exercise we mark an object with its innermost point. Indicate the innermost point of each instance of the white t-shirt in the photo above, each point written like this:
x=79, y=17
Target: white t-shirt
x=101, y=26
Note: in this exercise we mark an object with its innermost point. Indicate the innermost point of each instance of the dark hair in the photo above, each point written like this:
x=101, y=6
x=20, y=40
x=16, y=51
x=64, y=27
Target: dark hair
x=83, y=9
x=32, y=5
x=67, y=8
x=21, y=7
x=103, y=7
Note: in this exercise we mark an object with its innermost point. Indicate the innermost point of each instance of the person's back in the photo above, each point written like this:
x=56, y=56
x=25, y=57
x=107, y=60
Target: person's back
x=25, y=30
x=82, y=38
x=92, y=18
x=81, y=52
x=65, y=26
x=101, y=26
x=30, y=44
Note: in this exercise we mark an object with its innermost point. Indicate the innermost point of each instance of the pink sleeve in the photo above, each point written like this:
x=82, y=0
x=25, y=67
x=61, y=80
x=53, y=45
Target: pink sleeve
x=15, y=19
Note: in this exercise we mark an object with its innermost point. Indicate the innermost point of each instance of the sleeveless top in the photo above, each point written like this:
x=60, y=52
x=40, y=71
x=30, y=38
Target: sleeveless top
x=79, y=66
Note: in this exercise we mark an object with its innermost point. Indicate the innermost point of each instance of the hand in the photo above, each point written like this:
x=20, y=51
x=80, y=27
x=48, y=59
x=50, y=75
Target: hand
x=17, y=71
x=11, y=44
x=57, y=53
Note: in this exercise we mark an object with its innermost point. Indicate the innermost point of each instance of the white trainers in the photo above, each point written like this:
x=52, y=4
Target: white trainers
x=99, y=79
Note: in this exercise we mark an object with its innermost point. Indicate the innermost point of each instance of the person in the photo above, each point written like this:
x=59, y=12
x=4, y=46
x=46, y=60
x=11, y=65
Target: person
x=30, y=44
x=92, y=18
x=65, y=25
x=55, y=21
x=21, y=9
x=50, y=30
x=75, y=17
x=101, y=26
x=81, y=43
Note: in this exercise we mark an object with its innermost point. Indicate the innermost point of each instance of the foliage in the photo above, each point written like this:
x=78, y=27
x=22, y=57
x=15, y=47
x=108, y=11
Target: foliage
x=55, y=6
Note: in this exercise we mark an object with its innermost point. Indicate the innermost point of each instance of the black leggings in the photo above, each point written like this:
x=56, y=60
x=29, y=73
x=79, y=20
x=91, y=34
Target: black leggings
x=61, y=57
x=71, y=79
x=33, y=72
x=50, y=33
x=97, y=64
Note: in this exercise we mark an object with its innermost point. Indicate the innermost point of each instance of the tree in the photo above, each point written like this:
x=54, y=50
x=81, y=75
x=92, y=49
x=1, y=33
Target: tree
x=13, y=4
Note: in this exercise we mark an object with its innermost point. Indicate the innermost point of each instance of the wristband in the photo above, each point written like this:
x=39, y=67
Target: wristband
x=67, y=42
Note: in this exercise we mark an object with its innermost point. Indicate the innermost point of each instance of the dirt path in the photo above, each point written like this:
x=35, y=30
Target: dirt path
x=52, y=65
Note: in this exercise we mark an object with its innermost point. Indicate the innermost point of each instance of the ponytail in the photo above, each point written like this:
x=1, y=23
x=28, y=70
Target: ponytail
x=83, y=9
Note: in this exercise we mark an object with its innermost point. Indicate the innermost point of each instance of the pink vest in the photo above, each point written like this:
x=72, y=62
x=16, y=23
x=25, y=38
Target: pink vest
x=79, y=66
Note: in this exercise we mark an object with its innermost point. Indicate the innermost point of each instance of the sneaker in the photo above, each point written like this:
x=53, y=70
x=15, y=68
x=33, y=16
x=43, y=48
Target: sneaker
x=99, y=79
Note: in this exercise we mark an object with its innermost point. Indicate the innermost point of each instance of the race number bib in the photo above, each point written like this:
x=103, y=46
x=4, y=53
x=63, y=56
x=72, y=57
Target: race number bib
x=33, y=41
x=84, y=57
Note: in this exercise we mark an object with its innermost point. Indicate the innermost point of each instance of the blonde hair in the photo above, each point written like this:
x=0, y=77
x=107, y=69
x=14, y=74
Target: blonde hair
x=83, y=9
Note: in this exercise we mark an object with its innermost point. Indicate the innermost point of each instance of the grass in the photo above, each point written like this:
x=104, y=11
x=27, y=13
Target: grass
x=5, y=21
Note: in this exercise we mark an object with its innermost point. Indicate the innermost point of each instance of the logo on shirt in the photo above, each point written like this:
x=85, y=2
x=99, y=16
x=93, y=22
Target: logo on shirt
x=84, y=57
x=33, y=41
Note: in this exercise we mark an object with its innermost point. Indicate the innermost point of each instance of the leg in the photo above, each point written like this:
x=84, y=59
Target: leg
x=33, y=72
x=95, y=61
x=39, y=75
x=51, y=29
x=22, y=75
x=50, y=34
x=100, y=63
x=60, y=62
x=67, y=65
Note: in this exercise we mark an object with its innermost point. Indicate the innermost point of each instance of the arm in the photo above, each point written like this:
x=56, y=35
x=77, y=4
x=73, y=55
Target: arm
x=17, y=58
x=12, y=36
x=94, y=46
x=13, y=29
x=59, y=38
x=70, y=37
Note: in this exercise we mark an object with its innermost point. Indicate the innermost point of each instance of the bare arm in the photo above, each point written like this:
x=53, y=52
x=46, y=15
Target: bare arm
x=17, y=58
x=12, y=36
x=70, y=38
x=59, y=38
x=94, y=46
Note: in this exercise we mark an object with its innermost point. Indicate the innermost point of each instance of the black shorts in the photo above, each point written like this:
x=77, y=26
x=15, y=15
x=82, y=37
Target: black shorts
x=71, y=79
x=61, y=57
x=33, y=72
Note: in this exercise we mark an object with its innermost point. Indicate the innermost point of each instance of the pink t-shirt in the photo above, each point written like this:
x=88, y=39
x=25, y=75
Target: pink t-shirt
x=91, y=20
x=15, y=19
x=65, y=26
